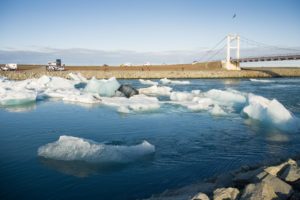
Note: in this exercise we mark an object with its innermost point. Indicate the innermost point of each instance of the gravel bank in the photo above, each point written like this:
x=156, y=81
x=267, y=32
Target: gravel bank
x=136, y=74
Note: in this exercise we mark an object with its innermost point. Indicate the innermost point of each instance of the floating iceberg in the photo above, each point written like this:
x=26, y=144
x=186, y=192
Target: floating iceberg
x=77, y=77
x=156, y=90
x=9, y=97
x=68, y=148
x=135, y=103
x=227, y=98
x=181, y=96
x=261, y=80
x=270, y=111
x=83, y=98
x=147, y=82
x=168, y=81
x=106, y=88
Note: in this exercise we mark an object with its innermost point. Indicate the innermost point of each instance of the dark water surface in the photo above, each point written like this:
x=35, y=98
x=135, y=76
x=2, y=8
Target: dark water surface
x=190, y=146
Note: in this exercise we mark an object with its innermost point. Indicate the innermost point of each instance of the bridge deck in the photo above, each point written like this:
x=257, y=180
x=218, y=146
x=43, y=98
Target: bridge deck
x=268, y=58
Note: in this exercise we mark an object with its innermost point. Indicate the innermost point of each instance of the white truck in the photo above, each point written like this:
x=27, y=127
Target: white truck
x=9, y=67
x=55, y=66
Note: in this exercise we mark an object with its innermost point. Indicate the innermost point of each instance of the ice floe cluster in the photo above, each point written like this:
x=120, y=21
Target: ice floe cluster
x=94, y=91
x=68, y=148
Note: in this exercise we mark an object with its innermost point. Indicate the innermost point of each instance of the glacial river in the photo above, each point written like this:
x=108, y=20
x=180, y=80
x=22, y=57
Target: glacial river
x=54, y=149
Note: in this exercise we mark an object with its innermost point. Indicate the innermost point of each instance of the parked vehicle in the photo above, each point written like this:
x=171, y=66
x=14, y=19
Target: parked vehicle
x=9, y=67
x=55, y=66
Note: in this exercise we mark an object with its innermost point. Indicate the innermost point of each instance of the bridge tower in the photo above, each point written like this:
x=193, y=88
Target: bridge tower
x=233, y=42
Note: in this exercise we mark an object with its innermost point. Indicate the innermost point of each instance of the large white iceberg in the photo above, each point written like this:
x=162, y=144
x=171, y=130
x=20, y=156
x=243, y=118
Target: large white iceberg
x=156, y=90
x=226, y=97
x=135, y=103
x=271, y=112
x=68, y=148
x=106, y=88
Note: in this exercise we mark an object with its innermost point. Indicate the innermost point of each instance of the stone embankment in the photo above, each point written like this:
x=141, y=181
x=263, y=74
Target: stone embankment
x=280, y=181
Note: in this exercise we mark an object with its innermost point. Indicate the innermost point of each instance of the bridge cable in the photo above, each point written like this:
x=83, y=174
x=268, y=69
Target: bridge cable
x=211, y=57
x=249, y=41
x=209, y=51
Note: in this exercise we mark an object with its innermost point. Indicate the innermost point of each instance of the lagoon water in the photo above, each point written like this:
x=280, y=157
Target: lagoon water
x=189, y=146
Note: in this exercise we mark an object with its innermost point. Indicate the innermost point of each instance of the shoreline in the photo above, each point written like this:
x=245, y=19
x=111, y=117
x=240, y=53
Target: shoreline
x=279, y=179
x=156, y=74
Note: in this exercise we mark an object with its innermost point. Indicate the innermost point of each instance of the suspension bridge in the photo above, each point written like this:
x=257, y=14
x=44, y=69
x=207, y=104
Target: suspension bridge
x=252, y=51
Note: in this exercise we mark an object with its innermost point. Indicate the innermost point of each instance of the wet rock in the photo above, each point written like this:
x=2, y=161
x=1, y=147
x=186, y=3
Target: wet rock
x=281, y=188
x=243, y=178
x=295, y=196
x=274, y=170
x=128, y=90
x=224, y=180
x=200, y=196
x=261, y=191
x=226, y=193
x=291, y=173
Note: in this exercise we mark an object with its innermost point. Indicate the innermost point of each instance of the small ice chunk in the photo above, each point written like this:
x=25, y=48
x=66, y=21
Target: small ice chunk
x=261, y=80
x=181, y=96
x=77, y=77
x=60, y=83
x=175, y=82
x=147, y=82
x=196, y=92
x=123, y=109
x=269, y=111
x=2, y=78
x=83, y=98
x=103, y=87
x=156, y=90
x=68, y=148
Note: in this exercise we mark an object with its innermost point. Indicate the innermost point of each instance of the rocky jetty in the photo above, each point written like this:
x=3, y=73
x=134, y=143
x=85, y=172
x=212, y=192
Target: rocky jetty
x=280, y=181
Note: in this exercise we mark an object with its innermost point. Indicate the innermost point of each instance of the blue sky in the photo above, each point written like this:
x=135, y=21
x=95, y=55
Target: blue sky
x=141, y=26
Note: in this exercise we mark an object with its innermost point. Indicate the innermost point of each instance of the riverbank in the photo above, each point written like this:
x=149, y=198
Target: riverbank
x=174, y=71
x=278, y=180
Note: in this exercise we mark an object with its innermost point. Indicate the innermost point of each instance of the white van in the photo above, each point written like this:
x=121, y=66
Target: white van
x=9, y=67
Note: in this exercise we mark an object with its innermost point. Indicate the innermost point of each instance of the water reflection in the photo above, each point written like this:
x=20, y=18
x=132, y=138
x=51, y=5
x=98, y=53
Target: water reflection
x=83, y=169
x=21, y=108
x=276, y=136
x=231, y=81
x=84, y=105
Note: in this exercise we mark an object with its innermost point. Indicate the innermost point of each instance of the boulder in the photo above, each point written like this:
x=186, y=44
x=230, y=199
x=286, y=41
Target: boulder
x=224, y=180
x=295, y=196
x=291, y=173
x=261, y=191
x=243, y=178
x=200, y=196
x=274, y=170
x=226, y=193
x=128, y=90
x=281, y=188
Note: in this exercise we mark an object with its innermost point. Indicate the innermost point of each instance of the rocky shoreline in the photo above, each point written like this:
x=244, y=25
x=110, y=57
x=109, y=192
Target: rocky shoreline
x=279, y=180
x=136, y=74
